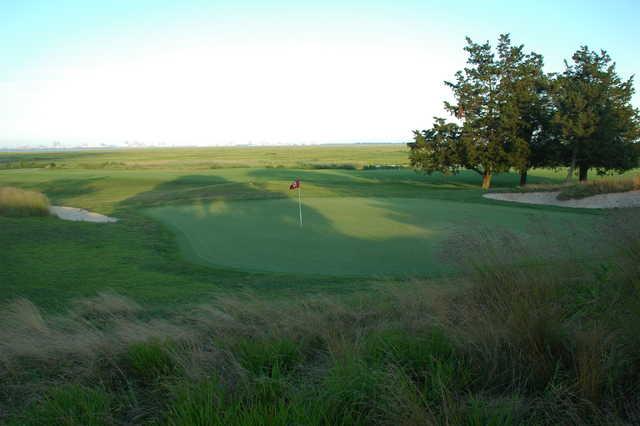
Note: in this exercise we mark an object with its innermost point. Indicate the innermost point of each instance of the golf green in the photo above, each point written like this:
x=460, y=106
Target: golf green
x=345, y=236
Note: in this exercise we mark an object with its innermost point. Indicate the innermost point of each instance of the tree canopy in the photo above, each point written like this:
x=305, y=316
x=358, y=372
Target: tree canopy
x=509, y=114
x=599, y=128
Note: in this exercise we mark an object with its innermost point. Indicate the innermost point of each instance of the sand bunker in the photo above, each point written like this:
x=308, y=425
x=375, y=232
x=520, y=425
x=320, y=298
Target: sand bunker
x=75, y=214
x=600, y=201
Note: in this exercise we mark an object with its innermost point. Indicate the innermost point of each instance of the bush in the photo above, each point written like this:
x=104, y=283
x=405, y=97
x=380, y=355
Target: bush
x=15, y=202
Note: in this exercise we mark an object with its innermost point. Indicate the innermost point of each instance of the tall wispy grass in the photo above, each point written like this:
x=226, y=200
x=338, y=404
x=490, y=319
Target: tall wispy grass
x=17, y=202
x=600, y=186
x=554, y=344
x=572, y=191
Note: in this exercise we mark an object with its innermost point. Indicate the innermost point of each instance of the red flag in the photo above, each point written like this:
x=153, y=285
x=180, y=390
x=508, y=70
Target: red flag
x=295, y=185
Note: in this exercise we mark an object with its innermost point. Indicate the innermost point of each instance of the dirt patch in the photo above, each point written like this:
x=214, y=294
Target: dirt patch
x=600, y=201
x=79, y=215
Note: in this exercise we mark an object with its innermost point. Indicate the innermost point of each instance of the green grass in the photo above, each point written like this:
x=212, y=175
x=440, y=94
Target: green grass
x=207, y=304
x=15, y=202
x=347, y=235
x=554, y=344
x=405, y=298
x=141, y=258
x=69, y=405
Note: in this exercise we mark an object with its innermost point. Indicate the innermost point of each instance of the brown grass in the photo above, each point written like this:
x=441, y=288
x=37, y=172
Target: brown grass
x=17, y=202
x=572, y=190
x=600, y=186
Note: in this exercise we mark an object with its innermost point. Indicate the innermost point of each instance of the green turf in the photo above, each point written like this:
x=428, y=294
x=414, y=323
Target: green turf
x=344, y=236
x=52, y=261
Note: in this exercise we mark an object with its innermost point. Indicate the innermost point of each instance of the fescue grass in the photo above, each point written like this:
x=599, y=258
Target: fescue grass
x=554, y=344
x=15, y=202
x=574, y=191
x=601, y=186
x=68, y=405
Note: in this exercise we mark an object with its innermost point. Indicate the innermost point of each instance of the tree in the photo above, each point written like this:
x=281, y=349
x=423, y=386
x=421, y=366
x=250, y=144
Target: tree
x=438, y=149
x=598, y=125
x=526, y=109
x=493, y=96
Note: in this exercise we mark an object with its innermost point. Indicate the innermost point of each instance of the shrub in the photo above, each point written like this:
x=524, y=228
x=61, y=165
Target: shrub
x=17, y=202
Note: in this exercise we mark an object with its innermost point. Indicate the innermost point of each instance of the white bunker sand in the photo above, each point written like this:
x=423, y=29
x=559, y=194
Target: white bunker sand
x=79, y=215
x=600, y=201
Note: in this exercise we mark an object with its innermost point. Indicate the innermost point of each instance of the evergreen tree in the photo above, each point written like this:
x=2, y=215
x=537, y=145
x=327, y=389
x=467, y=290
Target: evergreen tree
x=526, y=108
x=502, y=108
x=598, y=125
x=438, y=149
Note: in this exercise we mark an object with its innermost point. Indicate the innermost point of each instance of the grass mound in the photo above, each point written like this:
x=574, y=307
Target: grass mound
x=17, y=202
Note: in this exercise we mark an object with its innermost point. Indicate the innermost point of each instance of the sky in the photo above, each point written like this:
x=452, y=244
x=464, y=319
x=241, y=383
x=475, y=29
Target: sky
x=266, y=72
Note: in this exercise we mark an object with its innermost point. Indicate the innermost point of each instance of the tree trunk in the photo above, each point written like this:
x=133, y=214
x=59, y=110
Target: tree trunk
x=486, y=180
x=584, y=170
x=523, y=177
x=572, y=167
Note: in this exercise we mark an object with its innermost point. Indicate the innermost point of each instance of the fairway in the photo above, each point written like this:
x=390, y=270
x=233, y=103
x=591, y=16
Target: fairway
x=346, y=235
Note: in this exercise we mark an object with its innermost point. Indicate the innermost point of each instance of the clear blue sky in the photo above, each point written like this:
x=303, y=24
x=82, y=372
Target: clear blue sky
x=218, y=72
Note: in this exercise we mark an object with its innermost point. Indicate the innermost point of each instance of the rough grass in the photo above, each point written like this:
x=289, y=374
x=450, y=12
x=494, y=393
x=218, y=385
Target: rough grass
x=574, y=191
x=601, y=186
x=15, y=202
x=540, y=345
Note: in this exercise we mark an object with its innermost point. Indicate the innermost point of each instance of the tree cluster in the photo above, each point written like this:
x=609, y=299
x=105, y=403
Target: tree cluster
x=510, y=114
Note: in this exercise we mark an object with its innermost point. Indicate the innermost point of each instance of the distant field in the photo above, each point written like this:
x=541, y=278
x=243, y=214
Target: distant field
x=361, y=224
x=340, y=156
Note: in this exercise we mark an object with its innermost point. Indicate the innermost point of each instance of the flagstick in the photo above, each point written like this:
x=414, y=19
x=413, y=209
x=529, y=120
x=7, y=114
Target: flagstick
x=300, y=206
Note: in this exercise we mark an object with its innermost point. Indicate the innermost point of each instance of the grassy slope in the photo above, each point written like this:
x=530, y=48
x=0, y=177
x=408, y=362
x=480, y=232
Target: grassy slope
x=51, y=261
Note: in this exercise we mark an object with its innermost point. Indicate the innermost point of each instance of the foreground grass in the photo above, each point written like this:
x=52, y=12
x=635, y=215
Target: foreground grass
x=539, y=345
x=15, y=202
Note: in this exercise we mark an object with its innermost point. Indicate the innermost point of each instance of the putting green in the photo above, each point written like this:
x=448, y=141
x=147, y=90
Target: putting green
x=344, y=236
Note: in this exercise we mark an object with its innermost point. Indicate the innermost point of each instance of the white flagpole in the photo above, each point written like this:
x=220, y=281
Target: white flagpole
x=300, y=205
